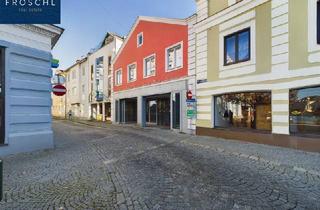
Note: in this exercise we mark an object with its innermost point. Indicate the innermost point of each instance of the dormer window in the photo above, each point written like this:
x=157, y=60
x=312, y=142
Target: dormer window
x=318, y=22
x=140, y=39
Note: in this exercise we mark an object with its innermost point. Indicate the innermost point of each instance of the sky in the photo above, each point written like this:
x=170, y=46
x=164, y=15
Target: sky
x=87, y=21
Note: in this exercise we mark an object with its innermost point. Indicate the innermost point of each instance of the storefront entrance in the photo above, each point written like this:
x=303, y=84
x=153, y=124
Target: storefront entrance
x=128, y=110
x=158, y=110
x=2, y=95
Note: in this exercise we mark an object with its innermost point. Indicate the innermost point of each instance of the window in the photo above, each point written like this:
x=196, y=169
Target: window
x=74, y=91
x=74, y=74
x=119, y=77
x=109, y=61
x=250, y=110
x=305, y=111
x=92, y=73
x=174, y=57
x=99, y=77
x=68, y=77
x=318, y=22
x=83, y=71
x=132, y=72
x=109, y=87
x=237, y=47
x=109, y=65
x=150, y=66
x=83, y=92
x=140, y=39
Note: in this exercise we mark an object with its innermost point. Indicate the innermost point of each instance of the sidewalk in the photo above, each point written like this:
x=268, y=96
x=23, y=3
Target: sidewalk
x=296, y=160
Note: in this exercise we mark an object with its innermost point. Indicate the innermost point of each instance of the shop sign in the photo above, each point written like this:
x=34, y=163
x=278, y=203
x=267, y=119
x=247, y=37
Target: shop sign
x=191, y=108
x=54, y=63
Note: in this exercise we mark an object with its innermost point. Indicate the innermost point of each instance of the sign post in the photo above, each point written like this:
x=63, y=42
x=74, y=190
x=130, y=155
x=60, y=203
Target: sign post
x=1, y=180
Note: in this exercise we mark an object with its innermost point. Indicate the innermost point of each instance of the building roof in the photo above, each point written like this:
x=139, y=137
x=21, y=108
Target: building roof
x=101, y=44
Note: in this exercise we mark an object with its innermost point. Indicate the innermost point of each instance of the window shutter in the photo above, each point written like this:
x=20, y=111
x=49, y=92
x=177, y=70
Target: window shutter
x=318, y=22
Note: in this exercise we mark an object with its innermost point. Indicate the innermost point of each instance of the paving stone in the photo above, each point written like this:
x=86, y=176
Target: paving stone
x=126, y=167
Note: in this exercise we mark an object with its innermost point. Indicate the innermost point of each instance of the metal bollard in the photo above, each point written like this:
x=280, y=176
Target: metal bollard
x=1, y=180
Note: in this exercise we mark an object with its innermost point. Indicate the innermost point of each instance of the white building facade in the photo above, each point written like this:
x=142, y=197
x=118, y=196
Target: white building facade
x=89, y=80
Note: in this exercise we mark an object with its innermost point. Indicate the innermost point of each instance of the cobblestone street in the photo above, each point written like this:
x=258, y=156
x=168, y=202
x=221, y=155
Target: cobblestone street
x=116, y=167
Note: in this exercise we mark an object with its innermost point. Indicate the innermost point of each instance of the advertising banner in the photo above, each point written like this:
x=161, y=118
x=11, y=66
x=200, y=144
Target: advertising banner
x=30, y=11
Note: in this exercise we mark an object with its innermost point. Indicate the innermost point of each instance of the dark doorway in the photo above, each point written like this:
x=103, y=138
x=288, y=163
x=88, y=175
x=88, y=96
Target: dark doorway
x=2, y=95
x=176, y=111
x=107, y=111
x=158, y=110
x=128, y=110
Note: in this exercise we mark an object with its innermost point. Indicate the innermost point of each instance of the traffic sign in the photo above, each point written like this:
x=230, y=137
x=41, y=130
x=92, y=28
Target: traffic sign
x=189, y=94
x=59, y=90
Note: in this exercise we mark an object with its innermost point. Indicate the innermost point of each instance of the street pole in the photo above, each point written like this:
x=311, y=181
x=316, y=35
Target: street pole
x=1, y=180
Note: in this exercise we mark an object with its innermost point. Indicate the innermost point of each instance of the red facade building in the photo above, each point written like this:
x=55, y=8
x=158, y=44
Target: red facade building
x=151, y=74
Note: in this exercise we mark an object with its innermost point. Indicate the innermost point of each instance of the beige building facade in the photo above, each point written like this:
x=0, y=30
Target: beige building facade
x=258, y=71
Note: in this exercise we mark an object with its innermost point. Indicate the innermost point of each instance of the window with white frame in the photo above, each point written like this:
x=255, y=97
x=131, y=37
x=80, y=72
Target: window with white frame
x=174, y=57
x=140, y=39
x=119, y=77
x=150, y=66
x=132, y=72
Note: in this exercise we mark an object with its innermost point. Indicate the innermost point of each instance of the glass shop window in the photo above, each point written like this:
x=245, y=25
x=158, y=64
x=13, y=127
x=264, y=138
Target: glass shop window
x=249, y=110
x=305, y=111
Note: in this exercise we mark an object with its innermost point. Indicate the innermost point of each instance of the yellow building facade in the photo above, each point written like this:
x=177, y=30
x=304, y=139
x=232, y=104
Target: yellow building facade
x=258, y=71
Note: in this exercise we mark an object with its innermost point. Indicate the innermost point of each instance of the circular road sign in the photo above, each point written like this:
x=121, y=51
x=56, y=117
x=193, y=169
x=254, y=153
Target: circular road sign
x=59, y=90
x=189, y=95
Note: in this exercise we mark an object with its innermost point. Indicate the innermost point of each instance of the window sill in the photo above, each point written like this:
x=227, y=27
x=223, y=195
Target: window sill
x=146, y=77
x=244, y=130
x=236, y=65
x=131, y=81
x=175, y=69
